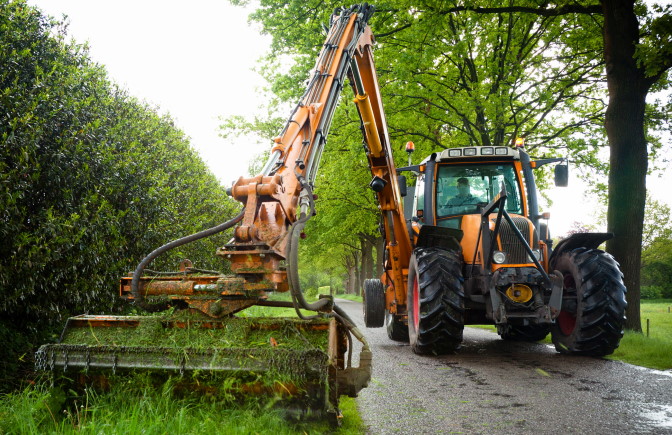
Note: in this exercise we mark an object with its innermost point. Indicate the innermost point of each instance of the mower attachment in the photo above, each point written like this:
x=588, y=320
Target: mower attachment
x=300, y=361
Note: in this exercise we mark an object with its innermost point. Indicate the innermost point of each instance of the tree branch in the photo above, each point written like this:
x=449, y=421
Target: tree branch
x=392, y=32
x=553, y=12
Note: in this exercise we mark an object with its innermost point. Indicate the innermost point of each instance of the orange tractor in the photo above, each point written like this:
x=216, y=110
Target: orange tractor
x=481, y=254
x=486, y=260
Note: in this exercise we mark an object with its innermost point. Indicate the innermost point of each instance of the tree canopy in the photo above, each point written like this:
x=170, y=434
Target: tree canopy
x=448, y=78
x=482, y=73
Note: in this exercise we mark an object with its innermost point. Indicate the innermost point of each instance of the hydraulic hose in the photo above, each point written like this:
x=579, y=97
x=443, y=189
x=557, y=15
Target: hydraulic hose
x=293, y=273
x=293, y=256
x=350, y=324
x=298, y=300
x=139, y=298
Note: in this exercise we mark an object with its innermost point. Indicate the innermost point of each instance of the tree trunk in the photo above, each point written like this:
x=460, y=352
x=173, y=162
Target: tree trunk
x=357, y=285
x=367, y=258
x=624, y=124
x=380, y=256
x=352, y=280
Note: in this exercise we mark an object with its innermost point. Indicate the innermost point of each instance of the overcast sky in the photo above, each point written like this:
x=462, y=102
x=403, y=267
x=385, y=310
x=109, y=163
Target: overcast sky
x=194, y=61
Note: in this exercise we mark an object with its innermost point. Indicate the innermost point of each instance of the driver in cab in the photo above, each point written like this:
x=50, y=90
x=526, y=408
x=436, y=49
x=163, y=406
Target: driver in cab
x=464, y=201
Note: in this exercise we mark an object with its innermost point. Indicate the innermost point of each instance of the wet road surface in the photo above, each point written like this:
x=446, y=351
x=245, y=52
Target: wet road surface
x=497, y=387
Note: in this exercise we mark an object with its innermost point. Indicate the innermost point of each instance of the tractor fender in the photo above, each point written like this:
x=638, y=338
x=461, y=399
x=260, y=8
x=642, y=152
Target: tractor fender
x=439, y=237
x=578, y=240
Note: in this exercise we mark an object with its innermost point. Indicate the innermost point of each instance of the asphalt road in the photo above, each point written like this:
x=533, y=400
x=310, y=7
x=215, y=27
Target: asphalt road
x=497, y=387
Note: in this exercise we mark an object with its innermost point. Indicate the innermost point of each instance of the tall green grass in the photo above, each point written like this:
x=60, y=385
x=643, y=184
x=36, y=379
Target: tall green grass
x=141, y=408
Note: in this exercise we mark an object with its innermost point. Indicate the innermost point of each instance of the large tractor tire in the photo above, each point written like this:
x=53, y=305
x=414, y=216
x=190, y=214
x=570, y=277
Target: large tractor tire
x=397, y=330
x=528, y=333
x=592, y=316
x=435, y=301
x=374, y=303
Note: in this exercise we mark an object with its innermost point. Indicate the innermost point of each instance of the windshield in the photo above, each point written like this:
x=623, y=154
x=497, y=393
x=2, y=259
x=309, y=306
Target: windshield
x=460, y=188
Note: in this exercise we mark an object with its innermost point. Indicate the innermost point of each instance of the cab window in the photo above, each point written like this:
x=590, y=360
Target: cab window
x=462, y=189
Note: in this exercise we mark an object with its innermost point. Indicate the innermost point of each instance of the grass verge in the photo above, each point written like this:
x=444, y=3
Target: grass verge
x=654, y=351
x=349, y=297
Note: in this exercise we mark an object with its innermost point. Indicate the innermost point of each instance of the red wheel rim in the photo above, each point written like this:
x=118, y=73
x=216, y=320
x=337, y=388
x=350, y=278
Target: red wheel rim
x=566, y=322
x=416, y=305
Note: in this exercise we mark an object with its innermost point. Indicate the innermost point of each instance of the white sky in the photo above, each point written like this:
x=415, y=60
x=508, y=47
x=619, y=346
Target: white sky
x=194, y=61
x=191, y=59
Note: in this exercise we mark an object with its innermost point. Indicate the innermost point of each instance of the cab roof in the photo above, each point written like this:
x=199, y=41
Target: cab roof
x=477, y=153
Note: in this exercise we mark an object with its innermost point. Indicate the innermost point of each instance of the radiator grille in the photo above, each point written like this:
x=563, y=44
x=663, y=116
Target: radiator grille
x=515, y=252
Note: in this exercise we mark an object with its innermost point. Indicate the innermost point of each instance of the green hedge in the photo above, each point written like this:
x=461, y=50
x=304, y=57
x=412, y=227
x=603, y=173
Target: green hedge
x=656, y=292
x=91, y=180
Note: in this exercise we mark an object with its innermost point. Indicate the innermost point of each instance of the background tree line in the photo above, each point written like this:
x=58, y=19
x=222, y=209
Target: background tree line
x=91, y=180
x=570, y=77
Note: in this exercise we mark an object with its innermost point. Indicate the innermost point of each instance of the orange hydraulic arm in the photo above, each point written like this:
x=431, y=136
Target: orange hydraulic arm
x=280, y=200
x=381, y=162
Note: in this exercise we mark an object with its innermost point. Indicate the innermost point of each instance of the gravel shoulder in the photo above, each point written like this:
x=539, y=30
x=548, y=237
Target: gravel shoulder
x=496, y=387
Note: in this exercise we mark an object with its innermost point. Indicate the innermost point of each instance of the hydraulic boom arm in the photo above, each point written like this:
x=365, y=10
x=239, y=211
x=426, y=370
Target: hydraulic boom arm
x=280, y=200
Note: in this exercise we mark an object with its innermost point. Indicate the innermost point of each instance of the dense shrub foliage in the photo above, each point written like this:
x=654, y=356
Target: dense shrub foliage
x=657, y=269
x=91, y=180
x=651, y=292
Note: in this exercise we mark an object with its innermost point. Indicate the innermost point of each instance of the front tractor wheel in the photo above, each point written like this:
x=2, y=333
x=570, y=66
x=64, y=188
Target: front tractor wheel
x=435, y=301
x=592, y=316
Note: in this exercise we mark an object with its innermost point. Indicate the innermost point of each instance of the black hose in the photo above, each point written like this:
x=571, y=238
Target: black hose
x=293, y=257
x=293, y=273
x=139, y=299
x=298, y=299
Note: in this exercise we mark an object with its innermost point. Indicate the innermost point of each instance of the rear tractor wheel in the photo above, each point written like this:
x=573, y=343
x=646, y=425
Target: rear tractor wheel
x=592, y=316
x=435, y=301
x=374, y=303
x=397, y=330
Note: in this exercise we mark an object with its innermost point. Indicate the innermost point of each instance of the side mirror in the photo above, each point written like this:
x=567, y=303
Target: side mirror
x=401, y=179
x=561, y=175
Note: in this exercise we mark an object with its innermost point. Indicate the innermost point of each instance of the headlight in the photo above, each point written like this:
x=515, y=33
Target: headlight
x=537, y=254
x=498, y=257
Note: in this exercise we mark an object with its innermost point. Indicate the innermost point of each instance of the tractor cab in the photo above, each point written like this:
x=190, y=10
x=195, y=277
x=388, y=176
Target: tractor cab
x=461, y=180
x=454, y=187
